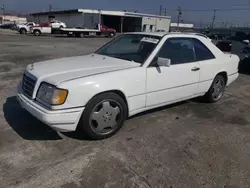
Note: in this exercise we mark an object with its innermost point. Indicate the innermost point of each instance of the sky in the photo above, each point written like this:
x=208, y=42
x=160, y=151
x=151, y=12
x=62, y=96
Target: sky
x=148, y=6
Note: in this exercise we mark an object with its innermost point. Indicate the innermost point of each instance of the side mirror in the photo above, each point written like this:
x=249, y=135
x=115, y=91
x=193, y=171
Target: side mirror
x=163, y=62
x=245, y=41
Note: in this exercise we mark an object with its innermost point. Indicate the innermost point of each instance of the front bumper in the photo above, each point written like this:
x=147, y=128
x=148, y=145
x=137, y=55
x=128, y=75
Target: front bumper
x=60, y=120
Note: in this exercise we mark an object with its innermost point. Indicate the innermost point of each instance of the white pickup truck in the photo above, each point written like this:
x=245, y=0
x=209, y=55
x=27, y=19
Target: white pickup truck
x=47, y=27
x=133, y=73
x=25, y=28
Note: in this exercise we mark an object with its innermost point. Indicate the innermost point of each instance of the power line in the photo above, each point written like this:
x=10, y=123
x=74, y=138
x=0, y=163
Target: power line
x=209, y=10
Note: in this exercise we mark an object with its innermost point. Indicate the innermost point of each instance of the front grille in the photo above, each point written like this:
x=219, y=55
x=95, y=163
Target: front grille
x=28, y=85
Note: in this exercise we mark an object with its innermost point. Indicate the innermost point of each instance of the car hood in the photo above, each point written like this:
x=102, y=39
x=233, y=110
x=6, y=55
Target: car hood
x=60, y=70
x=20, y=25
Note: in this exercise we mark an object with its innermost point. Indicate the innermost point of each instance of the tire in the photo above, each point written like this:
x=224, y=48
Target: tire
x=81, y=35
x=69, y=35
x=111, y=35
x=23, y=31
x=211, y=96
x=78, y=35
x=37, y=33
x=103, y=116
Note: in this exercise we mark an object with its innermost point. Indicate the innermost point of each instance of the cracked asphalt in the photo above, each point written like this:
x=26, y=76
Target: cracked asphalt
x=185, y=145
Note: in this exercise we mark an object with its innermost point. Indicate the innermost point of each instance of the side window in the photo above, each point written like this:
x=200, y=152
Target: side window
x=201, y=51
x=179, y=50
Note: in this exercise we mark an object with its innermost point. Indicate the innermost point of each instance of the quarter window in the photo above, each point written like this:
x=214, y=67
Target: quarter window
x=201, y=51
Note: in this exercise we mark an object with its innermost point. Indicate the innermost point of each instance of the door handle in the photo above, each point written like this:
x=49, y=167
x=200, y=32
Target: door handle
x=195, y=69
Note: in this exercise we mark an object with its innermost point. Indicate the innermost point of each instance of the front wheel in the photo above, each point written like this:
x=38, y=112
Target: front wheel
x=111, y=35
x=23, y=31
x=216, y=90
x=103, y=116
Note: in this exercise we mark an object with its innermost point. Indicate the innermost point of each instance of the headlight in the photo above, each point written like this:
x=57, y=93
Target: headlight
x=51, y=95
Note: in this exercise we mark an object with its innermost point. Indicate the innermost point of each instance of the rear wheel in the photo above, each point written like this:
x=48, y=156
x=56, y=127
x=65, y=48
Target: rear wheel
x=103, y=116
x=37, y=33
x=216, y=90
x=81, y=35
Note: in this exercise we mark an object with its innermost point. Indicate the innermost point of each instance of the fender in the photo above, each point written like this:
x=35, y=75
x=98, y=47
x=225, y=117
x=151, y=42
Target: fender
x=84, y=89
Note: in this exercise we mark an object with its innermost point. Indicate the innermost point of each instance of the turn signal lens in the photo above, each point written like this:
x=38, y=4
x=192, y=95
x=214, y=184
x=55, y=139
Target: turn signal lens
x=59, y=96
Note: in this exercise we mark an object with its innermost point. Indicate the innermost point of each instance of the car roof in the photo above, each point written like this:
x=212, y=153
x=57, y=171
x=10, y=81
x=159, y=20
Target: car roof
x=172, y=34
x=158, y=34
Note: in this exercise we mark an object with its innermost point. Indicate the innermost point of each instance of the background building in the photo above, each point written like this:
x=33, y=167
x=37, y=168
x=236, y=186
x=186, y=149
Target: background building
x=12, y=19
x=122, y=21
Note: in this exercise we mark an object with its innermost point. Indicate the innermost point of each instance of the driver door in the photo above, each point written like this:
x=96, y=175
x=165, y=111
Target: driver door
x=177, y=82
x=46, y=28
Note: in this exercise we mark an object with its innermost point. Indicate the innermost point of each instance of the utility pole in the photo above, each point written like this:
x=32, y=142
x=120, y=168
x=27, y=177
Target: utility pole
x=213, y=20
x=3, y=9
x=50, y=8
x=160, y=9
x=226, y=24
x=179, y=15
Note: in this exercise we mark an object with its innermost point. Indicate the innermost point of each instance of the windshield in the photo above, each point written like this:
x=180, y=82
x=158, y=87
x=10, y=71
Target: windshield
x=131, y=47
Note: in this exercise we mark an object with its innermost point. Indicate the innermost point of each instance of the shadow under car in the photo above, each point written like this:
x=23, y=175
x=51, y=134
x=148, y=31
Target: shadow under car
x=24, y=124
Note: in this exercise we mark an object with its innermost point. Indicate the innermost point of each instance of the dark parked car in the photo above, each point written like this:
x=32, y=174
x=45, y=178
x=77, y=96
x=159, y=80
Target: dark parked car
x=216, y=36
x=8, y=26
x=239, y=36
x=225, y=45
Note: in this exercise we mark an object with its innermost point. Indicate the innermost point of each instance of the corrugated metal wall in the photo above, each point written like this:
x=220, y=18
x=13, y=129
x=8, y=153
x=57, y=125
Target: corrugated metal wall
x=151, y=24
x=91, y=20
x=71, y=19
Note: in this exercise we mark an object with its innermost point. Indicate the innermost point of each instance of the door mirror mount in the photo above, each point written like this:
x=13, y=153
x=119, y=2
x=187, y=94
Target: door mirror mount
x=163, y=62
